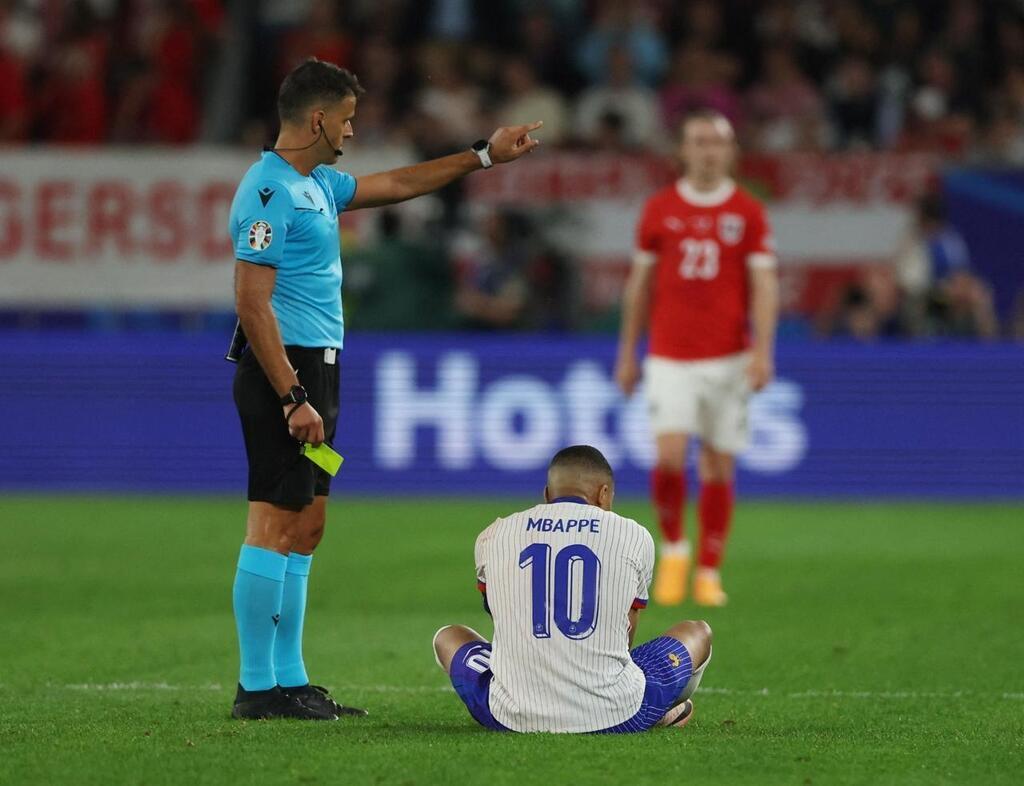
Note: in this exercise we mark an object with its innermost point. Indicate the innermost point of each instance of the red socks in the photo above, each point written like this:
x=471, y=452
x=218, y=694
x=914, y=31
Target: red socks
x=716, y=501
x=668, y=490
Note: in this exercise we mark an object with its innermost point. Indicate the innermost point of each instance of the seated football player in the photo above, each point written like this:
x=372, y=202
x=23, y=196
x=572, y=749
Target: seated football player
x=564, y=583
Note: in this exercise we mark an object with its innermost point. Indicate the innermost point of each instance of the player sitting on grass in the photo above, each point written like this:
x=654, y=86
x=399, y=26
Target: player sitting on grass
x=564, y=583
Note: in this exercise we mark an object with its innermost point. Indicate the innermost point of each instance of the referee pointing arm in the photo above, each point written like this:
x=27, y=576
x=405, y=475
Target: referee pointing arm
x=284, y=225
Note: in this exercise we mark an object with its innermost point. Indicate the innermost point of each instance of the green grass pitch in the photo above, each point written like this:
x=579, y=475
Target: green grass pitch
x=875, y=644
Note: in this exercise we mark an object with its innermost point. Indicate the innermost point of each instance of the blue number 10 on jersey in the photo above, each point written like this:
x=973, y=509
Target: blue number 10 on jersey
x=575, y=568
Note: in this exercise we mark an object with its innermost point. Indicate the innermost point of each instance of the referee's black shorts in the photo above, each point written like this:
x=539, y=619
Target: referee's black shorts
x=278, y=473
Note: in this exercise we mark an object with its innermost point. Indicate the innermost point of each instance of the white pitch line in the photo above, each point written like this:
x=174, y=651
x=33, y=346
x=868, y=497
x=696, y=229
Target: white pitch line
x=136, y=686
x=708, y=690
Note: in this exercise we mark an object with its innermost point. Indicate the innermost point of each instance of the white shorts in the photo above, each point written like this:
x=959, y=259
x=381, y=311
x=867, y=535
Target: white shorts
x=706, y=398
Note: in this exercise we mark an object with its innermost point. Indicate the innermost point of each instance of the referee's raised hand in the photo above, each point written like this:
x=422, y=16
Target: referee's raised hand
x=511, y=142
x=305, y=423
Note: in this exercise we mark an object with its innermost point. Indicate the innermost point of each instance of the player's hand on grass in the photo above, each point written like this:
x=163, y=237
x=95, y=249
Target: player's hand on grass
x=305, y=424
x=627, y=374
x=511, y=142
x=760, y=372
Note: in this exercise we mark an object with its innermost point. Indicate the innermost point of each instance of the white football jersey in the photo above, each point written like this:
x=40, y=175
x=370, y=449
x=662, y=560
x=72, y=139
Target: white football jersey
x=560, y=581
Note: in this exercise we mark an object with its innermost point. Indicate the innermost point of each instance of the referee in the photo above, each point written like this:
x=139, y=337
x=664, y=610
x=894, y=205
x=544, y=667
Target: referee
x=284, y=226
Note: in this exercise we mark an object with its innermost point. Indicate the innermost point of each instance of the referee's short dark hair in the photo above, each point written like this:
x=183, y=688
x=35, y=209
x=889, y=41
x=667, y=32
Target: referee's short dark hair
x=582, y=458
x=314, y=81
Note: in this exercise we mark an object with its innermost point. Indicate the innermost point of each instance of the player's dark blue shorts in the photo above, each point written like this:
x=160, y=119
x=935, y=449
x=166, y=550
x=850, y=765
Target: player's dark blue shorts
x=471, y=677
x=665, y=662
x=667, y=667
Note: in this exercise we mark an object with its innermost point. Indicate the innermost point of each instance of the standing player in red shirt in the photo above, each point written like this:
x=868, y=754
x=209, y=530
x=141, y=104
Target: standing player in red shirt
x=704, y=273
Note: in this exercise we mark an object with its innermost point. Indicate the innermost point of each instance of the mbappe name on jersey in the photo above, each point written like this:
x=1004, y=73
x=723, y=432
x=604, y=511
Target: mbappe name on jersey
x=564, y=525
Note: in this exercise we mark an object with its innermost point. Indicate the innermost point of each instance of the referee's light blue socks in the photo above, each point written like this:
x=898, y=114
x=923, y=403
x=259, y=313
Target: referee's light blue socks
x=259, y=585
x=288, y=665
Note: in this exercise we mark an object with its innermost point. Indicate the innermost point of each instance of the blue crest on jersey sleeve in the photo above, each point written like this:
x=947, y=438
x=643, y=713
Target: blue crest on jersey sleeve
x=261, y=215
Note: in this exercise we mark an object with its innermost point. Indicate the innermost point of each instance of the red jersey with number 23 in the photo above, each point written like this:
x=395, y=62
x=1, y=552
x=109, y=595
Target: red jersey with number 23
x=702, y=244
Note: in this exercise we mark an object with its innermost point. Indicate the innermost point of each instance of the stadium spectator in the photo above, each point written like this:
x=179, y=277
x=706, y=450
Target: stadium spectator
x=493, y=292
x=609, y=134
x=942, y=107
x=855, y=31
x=852, y=103
x=622, y=108
x=1001, y=142
x=396, y=282
x=552, y=279
x=855, y=317
x=942, y=294
x=806, y=28
x=902, y=47
x=868, y=309
x=14, y=101
x=627, y=25
x=71, y=103
x=320, y=36
x=698, y=80
x=1012, y=91
x=542, y=42
x=525, y=97
x=783, y=108
x=173, y=49
x=1009, y=49
x=450, y=103
x=703, y=24
x=960, y=39
x=389, y=85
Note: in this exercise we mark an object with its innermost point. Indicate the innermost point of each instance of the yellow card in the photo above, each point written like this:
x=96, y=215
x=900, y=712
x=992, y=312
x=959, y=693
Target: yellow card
x=324, y=457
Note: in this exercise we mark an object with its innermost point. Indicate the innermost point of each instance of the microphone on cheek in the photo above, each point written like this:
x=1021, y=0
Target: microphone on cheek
x=337, y=150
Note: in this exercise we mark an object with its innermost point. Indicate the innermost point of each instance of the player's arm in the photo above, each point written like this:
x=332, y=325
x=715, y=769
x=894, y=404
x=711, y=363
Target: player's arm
x=644, y=575
x=636, y=302
x=398, y=185
x=480, y=558
x=764, y=317
x=254, y=284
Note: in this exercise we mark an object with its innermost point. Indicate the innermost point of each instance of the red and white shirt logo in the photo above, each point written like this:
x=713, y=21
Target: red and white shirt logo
x=730, y=228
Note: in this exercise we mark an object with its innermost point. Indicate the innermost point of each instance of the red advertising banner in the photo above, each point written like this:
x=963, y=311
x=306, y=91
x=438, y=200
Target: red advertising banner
x=149, y=227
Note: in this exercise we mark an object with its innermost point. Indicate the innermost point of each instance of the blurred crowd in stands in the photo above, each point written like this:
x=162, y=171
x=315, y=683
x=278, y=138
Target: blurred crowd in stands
x=930, y=290
x=793, y=75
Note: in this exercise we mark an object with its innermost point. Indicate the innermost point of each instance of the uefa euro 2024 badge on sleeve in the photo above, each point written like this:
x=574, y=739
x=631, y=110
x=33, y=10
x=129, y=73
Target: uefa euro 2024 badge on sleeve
x=260, y=235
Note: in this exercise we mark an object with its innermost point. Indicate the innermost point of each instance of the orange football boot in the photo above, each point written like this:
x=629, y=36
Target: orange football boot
x=670, y=579
x=707, y=589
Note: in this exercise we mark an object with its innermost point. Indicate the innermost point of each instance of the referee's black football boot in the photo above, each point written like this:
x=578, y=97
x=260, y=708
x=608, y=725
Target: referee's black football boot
x=275, y=703
x=318, y=697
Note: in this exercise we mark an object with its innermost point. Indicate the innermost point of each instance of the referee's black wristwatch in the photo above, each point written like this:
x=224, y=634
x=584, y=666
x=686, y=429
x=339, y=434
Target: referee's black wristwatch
x=297, y=396
x=482, y=148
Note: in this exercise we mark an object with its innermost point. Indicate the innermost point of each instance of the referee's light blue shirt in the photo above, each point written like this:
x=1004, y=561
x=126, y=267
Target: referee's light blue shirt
x=286, y=221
